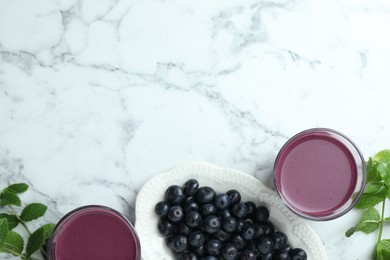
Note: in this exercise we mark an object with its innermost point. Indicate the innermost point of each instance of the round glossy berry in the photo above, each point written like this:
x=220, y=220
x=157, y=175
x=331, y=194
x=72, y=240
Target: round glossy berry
x=251, y=207
x=281, y=255
x=229, y=252
x=188, y=255
x=248, y=254
x=298, y=254
x=261, y=214
x=229, y=224
x=238, y=241
x=239, y=210
x=182, y=229
x=207, y=209
x=176, y=213
x=161, y=208
x=196, y=239
x=205, y=195
x=179, y=243
x=191, y=187
x=212, y=224
x=213, y=247
x=234, y=195
x=268, y=256
x=174, y=195
x=169, y=242
x=224, y=213
x=269, y=228
x=210, y=257
x=259, y=229
x=222, y=201
x=193, y=219
x=265, y=245
x=200, y=251
x=222, y=235
x=248, y=232
x=165, y=227
x=280, y=240
x=189, y=203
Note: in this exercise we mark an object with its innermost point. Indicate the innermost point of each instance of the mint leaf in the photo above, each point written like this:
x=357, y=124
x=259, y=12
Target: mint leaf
x=17, y=188
x=33, y=211
x=382, y=157
x=350, y=231
x=12, y=220
x=373, y=194
x=13, y=244
x=387, y=219
x=3, y=231
x=383, y=249
x=369, y=222
x=9, y=198
x=37, y=239
x=372, y=174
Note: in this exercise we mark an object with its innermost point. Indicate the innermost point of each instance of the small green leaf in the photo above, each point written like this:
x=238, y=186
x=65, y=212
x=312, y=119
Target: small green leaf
x=383, y=156
x=9, y=198
x=33, y=211
x=350, y=231
x=13, y=244
x=3, y=231
x=369, y=222
x=383, y=249
x=37, y=239
x=373, y=194
x=372, y=172
x=17, y=188
x=12, y=220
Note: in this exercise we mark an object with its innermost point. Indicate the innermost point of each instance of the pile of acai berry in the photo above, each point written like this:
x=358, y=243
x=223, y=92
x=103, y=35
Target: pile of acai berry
x=199, y=223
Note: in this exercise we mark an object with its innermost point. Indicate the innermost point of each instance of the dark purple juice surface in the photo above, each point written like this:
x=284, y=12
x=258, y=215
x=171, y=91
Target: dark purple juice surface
x=96, y=234
x=316, y=174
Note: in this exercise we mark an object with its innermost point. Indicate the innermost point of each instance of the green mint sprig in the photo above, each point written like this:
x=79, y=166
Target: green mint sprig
x=377, y=191
x=12, y=242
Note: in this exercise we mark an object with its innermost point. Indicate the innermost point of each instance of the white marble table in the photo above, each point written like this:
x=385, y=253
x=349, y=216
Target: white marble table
x=96, y=97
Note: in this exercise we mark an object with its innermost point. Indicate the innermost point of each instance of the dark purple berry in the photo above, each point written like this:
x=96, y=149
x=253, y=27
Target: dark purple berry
x=224, y=213
x=248, y=254
x=281, y=255
x=161, y=208
x=229, y=252
x=280, y=240
x=269, y=228
x=239, y=210
x=174, y=195
x=205, y=195
x=238, y=241
x=251, y=207
x=188, y=255
x=229, y=224
x=234, y=195
x=179, y=243
x=248, y=232
x=165, y=227
x=175, y=213
x=193, y=219
x=265, y=245
x=196, y=239
x=189, y=203
x=222, y=235
x=298, y=254
x=191, y=187
x=182, y=229
x=222, y=201
x=261, y=214
x=207, y=209
x=213, y=247
x=212, y=224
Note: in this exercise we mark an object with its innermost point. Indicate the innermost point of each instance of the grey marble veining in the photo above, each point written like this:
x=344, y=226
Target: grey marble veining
x=96, y=97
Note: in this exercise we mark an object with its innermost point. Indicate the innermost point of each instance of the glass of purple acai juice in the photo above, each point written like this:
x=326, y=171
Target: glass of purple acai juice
x=320, y=174
x=94, y=232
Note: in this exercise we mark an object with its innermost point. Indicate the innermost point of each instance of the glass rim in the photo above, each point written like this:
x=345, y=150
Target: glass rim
x=360, y=173
x=58, y=227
